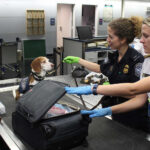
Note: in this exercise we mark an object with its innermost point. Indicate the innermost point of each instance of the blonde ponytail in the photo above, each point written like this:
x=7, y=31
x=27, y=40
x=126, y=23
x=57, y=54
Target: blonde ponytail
x=147, y=21
x=137, y=22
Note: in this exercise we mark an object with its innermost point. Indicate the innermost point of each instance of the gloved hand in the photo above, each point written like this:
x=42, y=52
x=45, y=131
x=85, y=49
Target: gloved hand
x=81, y=90
x=71, y=59
x=98, y=112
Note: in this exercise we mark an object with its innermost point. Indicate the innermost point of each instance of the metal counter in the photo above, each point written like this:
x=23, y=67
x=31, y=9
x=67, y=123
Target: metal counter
x=90, y=100
x=103, y=133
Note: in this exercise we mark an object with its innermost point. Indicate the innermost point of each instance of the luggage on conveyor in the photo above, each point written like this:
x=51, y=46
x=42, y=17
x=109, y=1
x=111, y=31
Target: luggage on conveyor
x=43, y=124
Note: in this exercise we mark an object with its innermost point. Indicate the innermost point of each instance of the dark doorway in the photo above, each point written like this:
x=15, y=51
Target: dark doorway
x=88, y=16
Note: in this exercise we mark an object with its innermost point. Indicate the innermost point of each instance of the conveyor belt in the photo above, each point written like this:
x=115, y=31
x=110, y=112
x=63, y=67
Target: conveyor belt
x=103, y=133
x=7, y=99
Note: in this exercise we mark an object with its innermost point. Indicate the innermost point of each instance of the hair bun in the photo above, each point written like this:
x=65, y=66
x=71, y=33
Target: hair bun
x=137, y=22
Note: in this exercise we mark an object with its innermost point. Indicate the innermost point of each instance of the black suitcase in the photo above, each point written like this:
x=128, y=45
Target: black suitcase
x=60, y=132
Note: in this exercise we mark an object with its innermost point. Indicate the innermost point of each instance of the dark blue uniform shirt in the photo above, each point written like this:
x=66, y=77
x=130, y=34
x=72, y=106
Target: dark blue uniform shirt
x=125, y=71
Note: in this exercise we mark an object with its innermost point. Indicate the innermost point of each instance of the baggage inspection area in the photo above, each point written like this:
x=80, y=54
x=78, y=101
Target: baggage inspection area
x=103, y=132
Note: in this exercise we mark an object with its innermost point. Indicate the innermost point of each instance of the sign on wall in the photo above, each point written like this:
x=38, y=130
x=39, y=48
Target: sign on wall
x=52, y=21
x=108, y=13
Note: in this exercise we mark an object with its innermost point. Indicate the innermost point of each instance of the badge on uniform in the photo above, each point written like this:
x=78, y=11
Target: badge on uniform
x=126, y=69
x=138, y=68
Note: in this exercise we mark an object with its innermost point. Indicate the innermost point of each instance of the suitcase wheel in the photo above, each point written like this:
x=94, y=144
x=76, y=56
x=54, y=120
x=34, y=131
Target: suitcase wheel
x=85, y=143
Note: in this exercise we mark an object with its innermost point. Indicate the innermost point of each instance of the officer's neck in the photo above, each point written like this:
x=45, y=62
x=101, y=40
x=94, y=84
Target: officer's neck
x=122, y=51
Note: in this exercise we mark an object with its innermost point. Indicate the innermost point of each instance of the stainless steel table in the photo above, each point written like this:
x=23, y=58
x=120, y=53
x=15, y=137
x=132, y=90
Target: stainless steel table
x=103, y=132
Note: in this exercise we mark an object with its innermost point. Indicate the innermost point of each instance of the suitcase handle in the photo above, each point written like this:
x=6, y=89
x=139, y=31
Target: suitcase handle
x=86, y=120
x=48, y=130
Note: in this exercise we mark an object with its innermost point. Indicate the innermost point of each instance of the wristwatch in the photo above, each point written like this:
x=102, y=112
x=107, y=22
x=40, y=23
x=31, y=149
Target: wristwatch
x=95, y=89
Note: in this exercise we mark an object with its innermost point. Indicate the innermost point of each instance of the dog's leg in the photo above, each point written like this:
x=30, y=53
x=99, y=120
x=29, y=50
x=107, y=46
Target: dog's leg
x=16, y=94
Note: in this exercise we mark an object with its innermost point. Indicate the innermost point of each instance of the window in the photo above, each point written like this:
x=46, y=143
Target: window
x=35, y=22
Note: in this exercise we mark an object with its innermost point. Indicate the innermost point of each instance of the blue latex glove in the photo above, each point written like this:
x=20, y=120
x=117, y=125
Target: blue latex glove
x=98, y=112
x=81, y=90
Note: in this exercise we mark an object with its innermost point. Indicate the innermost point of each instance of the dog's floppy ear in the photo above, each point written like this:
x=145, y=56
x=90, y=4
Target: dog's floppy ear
x=36, y=65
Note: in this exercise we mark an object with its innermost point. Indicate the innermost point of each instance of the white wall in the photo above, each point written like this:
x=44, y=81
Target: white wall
x=102, y=29
x=136, y=8
x=13, y=16
x=13, y=20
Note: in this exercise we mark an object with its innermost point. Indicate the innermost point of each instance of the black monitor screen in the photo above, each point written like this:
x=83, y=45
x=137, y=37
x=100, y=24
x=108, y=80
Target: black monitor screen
x=84, y=32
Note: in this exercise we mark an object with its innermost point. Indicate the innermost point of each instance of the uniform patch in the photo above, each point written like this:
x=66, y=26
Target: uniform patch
x=138, y=68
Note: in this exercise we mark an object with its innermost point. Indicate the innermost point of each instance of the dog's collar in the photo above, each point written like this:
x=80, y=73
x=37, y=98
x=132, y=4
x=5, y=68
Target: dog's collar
x=37, y=77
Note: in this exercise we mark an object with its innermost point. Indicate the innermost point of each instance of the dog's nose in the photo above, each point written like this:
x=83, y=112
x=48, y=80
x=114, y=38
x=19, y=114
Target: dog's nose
x=52, y=65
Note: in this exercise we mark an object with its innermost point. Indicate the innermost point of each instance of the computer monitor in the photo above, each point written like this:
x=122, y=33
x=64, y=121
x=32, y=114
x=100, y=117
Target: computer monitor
x=84, y=32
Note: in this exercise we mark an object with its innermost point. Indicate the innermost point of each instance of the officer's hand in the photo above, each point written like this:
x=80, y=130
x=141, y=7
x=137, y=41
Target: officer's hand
x=98, y=112
x=71, y=59
x=81, y=90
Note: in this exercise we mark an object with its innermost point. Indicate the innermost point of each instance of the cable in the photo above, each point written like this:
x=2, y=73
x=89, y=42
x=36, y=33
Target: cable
x=79, y=95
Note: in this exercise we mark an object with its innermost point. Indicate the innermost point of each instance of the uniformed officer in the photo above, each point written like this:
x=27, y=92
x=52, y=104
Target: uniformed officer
x=127, y=70
x=140, y=87
x=124, y=65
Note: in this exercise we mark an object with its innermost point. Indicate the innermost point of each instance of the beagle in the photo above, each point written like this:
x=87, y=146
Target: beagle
x=39, y=67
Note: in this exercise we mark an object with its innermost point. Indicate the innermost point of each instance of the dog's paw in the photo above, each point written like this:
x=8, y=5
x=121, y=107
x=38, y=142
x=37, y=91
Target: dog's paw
x=14, y=93
x=2, y=109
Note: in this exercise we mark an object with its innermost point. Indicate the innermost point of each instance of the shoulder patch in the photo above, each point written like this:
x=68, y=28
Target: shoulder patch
x=138, y=68
x=139, y=57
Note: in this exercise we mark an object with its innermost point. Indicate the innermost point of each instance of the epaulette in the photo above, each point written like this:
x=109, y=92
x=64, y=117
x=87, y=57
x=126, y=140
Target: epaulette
x=136, y=57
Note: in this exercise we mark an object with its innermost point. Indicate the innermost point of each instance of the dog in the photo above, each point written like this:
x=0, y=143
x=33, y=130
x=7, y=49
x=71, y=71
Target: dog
x=39, y=67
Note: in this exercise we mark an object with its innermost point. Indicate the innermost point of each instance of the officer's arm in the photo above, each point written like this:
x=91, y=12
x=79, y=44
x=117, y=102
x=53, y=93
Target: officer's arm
x=132, y=104
x=125, y=89
x=89, y=65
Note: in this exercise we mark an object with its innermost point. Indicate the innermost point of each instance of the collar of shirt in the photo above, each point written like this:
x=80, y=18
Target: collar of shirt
x=126, y=56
